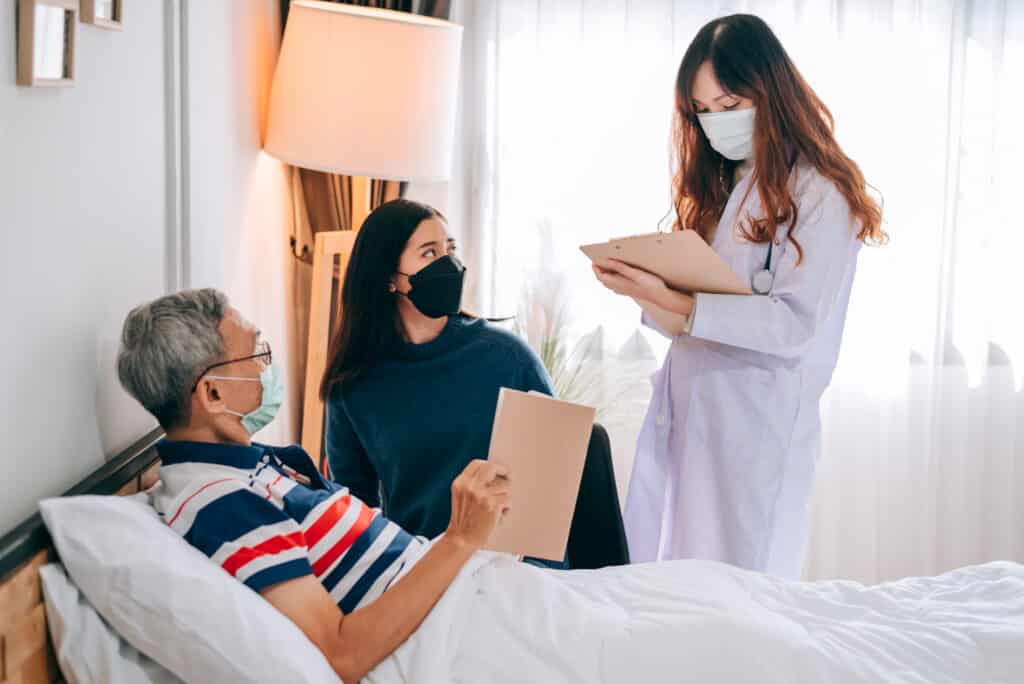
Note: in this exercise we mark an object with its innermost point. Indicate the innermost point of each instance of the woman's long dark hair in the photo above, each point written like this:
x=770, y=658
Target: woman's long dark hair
x=369, y=313
x=791, y=123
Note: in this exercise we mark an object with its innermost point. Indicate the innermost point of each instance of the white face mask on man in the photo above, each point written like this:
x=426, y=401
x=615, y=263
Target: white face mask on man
x=731, y=134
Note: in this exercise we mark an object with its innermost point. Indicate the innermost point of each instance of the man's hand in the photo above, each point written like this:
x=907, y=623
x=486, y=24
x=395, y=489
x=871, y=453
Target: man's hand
x=480, y=496
x=356, y=643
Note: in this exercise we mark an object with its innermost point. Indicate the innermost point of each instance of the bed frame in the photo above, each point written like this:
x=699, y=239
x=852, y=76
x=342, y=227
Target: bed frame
x=26, y=654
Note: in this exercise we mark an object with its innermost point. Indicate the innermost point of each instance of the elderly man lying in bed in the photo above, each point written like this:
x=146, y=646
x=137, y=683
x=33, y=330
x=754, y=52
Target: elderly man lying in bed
x=384, y=605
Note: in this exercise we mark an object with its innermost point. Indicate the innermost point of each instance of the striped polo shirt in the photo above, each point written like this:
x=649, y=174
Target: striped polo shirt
x=266, y=515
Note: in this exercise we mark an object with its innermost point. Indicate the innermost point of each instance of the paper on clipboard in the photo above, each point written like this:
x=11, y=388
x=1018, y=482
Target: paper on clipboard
x=681, y=258
x=544, y=443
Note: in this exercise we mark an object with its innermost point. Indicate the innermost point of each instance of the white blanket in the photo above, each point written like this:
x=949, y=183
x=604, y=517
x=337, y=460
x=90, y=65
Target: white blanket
x=695, y=621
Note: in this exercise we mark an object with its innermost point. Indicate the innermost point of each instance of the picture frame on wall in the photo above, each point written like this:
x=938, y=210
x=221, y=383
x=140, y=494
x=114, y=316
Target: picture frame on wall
x=46, y=42
x=108, y=14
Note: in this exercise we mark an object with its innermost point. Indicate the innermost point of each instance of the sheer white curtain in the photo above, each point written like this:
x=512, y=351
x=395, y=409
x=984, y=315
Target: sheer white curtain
x=565, y=140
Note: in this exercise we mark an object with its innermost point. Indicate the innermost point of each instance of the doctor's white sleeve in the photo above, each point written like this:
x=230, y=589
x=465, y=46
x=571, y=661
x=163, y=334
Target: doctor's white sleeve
x=785, y=322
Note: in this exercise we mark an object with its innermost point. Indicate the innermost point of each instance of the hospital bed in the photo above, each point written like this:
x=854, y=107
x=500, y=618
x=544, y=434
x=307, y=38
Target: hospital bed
x=503, y=621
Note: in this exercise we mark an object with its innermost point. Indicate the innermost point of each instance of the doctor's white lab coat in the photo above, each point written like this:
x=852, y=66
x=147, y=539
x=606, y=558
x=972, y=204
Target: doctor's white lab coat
x=726, y=457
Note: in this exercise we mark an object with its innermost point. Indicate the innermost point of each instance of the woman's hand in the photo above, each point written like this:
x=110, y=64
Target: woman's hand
x=633, y=282
x=480, y=496
x=626, y=280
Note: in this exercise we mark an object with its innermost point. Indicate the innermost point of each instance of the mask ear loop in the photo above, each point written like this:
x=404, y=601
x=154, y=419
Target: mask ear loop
x=393, y=289
x=661, y=222
x=226, y=377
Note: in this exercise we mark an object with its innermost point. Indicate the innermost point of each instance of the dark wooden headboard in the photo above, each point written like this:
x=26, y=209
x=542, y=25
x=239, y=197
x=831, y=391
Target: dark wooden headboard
x=26, y=654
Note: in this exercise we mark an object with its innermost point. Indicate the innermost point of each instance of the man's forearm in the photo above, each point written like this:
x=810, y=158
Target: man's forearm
x=380, y=628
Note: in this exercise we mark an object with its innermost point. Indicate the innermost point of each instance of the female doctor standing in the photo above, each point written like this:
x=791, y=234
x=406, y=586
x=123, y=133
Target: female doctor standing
x=726, y=457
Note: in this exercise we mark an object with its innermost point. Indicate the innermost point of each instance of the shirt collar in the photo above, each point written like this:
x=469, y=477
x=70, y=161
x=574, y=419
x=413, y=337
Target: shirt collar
x=233, y=455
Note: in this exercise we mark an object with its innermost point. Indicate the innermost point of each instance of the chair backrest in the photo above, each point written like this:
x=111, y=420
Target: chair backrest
x=597, y=537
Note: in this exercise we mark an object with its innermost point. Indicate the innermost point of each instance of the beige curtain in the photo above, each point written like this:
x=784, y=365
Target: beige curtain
x=323, y=201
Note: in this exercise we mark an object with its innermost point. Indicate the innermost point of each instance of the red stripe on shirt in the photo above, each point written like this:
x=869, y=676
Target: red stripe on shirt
x=358, y=527
x=328, y=519
x=195, y=494
x=267, y=487
x=277, y=544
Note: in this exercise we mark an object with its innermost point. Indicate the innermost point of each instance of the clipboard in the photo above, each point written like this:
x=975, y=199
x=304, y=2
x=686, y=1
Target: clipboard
x=681, y=258
x=544, y=443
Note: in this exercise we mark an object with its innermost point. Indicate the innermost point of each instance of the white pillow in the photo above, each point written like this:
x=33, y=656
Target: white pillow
x=170, y=601
x=88, y=651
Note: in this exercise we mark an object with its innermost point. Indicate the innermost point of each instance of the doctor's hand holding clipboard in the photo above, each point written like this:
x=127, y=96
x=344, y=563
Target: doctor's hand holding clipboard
x=668, y=309
x=725, y=460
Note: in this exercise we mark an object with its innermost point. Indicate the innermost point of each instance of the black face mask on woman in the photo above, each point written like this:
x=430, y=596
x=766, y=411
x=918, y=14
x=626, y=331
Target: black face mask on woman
x=437, y=287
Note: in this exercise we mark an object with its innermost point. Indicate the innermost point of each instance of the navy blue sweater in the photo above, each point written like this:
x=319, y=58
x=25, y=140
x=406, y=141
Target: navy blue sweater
x=408, y=426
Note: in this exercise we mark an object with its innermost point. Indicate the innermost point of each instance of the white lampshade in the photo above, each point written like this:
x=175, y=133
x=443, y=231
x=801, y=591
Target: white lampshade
x=365, y=92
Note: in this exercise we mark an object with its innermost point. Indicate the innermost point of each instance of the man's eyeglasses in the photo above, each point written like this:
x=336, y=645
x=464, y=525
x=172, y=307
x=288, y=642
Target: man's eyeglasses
x=263, y=353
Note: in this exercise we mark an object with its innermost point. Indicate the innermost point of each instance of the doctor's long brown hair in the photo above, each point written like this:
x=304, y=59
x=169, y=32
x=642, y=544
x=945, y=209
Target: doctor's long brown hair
x=791, y=124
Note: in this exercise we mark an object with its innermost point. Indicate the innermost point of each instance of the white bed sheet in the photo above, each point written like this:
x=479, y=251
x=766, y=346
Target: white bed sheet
x=503, y=621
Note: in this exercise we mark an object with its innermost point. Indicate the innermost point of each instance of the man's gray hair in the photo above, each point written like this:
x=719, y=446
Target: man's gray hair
x=165, y=344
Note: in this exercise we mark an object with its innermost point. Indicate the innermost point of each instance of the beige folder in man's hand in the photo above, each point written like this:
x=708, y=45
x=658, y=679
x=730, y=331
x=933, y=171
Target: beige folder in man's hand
x=544, y=443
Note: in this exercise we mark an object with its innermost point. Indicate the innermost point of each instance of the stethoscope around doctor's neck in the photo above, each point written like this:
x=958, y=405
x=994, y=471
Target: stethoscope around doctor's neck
x=761, y=282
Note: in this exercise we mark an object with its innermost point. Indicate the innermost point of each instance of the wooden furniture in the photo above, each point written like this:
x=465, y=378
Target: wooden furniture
x=34, y=26
x=26, y=654
x=328, y=245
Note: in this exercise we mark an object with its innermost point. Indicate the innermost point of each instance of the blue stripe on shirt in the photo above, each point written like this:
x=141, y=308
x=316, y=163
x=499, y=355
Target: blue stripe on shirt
x=395, y=549
x=276, y=574
x=355, y=552
x=301, y=500
x=228, y=518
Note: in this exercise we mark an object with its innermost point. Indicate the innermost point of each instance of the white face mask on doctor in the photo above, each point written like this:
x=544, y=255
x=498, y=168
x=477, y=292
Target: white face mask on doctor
x=730, y=133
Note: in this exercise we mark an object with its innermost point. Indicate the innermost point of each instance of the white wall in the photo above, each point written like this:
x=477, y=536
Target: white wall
x=87, y=214
x=83, y=215
x=240, y=205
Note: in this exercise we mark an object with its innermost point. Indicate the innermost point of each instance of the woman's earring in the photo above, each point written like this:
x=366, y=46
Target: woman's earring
x=392, y=288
